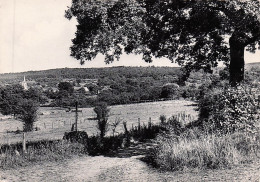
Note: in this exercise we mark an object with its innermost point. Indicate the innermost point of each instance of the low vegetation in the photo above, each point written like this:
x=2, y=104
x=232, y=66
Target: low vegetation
x=13, y=156
x=194, y=149
x=226, y=134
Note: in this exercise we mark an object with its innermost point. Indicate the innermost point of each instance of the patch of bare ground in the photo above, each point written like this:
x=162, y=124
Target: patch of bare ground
x=127, y=165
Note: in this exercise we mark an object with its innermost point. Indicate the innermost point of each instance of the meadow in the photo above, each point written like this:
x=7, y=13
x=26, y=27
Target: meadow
x=54, y=122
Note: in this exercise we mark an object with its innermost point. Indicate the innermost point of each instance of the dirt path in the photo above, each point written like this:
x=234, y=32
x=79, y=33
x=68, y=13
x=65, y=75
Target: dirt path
x=123, y=168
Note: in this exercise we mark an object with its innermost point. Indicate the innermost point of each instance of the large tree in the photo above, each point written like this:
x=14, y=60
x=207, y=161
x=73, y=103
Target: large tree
x=195, y=34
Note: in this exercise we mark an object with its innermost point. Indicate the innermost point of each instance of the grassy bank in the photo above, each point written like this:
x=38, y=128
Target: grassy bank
x=176, y=147
x=195, y=149
x=13, y=156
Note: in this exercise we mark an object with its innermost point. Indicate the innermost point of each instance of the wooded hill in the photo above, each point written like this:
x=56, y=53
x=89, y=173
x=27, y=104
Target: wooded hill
x=53, y=76
x=116, y=85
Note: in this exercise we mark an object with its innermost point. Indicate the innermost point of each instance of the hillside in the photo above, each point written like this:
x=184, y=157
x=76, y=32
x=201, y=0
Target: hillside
x=252, y=65
x=116, y=85
x=53, y=76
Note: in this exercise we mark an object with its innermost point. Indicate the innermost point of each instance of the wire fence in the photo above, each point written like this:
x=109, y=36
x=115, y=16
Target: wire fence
x=55, y=130
x=47, y=131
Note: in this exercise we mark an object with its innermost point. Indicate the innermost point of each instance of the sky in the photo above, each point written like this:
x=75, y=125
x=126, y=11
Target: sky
x=35, y=35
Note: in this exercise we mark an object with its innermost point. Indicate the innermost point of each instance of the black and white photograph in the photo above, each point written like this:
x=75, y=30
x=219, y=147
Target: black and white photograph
x=129, y=90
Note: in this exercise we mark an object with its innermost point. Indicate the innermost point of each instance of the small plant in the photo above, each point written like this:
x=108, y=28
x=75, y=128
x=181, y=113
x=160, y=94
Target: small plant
x=162, y=118
x=115, y=124
x=76, y=136
x=126, y=135
x=173, y=125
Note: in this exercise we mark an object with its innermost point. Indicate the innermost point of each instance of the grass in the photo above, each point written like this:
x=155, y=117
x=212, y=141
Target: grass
x=194, y=149
x=178, y=147
x=12, y=156
x=61, y=120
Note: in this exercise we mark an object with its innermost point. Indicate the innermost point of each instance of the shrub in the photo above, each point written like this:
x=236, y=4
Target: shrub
x=229, y=109
x=143, y=132
x=170, y=90
x=102, y=112
x=174, y=125
x=76, y=136
x=162, y=118
x=104, y=146
x=150, y=131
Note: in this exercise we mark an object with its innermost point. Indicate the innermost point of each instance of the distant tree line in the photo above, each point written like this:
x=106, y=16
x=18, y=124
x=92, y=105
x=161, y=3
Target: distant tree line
x=119, y=85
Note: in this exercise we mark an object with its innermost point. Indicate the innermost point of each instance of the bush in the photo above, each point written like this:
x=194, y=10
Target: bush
x=170, y=90
x=174, y=125
x=104, y=146
x=76, y=136
x=144, y=132
x=162, y=118
x=229, y=110
x=102, y=112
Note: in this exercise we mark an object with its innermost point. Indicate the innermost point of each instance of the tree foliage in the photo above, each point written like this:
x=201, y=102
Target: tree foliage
x=102, y=112
x=21, y=104
x=230, y=109
x=195, y=34
x=66, y=86
x=27, y=113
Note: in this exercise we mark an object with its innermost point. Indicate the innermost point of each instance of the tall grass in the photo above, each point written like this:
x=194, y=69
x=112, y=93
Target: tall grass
x=12, y=156
x=192, y=149
x=223, y=136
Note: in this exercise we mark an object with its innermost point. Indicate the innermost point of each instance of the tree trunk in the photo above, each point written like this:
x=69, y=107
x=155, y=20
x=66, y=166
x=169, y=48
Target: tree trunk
x=237, y=63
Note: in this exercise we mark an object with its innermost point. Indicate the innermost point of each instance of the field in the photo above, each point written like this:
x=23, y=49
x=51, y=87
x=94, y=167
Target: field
x=53, y=122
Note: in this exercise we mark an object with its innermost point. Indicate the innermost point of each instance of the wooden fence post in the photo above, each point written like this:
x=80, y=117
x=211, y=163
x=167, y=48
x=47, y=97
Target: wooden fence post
x=8, y=142
x=24, y=143
x=139, y=124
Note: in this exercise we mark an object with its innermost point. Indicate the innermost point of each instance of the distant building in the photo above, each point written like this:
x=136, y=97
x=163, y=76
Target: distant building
x=172, y=85
x=86, y=90
x=50, y=89
x=24, y=84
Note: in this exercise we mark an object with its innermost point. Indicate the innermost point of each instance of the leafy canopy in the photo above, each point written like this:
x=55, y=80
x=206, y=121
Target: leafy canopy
x=23, y=104
x=195, y=34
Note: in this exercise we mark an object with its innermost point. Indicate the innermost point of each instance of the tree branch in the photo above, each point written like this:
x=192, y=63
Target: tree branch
x=252, y=39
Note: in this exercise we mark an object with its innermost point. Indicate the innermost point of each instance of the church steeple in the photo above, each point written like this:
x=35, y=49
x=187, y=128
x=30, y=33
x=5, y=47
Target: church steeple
x=24, y=84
